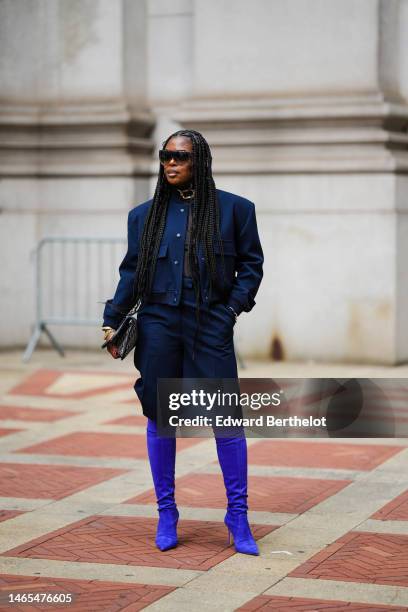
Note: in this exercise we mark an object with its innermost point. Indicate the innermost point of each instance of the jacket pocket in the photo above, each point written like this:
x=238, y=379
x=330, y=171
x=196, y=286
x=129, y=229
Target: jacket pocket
x=229, y=260
x=162, y=251
x=162, y=275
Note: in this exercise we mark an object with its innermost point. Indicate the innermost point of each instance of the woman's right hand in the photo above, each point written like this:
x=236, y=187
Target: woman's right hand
x=111, y=348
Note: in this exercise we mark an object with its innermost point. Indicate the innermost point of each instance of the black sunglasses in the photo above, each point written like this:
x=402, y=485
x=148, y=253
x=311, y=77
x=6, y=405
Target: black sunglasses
x=179, y=156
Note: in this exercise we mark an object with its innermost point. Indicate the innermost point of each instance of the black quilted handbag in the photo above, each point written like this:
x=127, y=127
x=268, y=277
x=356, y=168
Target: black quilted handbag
x=125, y=337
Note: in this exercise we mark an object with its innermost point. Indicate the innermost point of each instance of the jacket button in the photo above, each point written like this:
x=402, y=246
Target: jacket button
x=174, y=299
x=181, y=209
x=178, y=235
x=175, y=261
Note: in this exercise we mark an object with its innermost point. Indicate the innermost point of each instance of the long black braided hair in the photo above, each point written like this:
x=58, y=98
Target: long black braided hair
x=205, y=226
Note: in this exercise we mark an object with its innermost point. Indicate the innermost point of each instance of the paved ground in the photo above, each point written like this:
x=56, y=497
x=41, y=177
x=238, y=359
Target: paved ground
x=78, y=513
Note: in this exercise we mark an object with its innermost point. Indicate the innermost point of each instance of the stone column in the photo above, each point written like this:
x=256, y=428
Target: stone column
x=305, y=104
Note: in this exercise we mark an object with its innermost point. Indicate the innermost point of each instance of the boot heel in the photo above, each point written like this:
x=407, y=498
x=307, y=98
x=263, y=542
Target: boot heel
x=229, y=537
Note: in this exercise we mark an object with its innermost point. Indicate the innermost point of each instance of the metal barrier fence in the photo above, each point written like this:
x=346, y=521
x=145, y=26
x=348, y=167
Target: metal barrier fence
x=72, y=275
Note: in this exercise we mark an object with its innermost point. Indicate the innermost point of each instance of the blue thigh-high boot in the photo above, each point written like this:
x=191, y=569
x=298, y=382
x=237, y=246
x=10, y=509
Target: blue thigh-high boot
x=162, y=457
x=232, y=455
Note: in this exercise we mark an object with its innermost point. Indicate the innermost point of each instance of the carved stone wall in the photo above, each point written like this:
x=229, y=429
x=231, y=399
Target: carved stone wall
x=305, y=106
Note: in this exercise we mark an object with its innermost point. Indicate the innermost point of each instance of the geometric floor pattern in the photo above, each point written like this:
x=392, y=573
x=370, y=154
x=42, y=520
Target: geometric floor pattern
x=86, y=595
x=90, y=444
x=395, y=510
x=49, y=481
x=5, y=515
x=296, y=604
x=78, y=511
x=25, y=413
x=377, y=558
x=130, y=541
x=339, y=456
x=271, y=494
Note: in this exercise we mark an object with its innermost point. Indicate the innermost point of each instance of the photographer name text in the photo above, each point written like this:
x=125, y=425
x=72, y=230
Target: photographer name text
x=259, y=421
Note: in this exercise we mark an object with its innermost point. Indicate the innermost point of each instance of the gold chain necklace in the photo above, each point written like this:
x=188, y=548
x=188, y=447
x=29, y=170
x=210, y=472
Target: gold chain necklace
x=186, y=194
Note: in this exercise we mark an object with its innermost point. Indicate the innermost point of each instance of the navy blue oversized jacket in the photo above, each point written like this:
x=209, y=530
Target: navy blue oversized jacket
x=243, y=256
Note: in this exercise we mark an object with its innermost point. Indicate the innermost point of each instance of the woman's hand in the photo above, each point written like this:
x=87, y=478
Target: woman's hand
x=111, y=348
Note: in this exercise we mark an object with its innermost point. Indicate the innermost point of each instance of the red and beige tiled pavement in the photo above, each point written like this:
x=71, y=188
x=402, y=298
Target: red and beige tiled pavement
x=78, y=514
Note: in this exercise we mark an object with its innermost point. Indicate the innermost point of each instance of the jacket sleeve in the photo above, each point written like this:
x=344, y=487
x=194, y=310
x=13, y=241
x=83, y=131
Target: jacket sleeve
x=249, y=260
x=117, y=307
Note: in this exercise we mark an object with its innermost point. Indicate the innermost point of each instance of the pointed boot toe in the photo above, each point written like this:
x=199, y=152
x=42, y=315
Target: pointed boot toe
x=164, y=542
x=239, y=527
x=166, y=535
x=247, y=547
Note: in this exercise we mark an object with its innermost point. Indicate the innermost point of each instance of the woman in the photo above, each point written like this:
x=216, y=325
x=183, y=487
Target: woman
x=194, y=263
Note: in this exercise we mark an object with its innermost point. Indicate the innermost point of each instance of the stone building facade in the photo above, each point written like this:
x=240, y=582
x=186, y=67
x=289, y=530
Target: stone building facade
x=305, y=106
